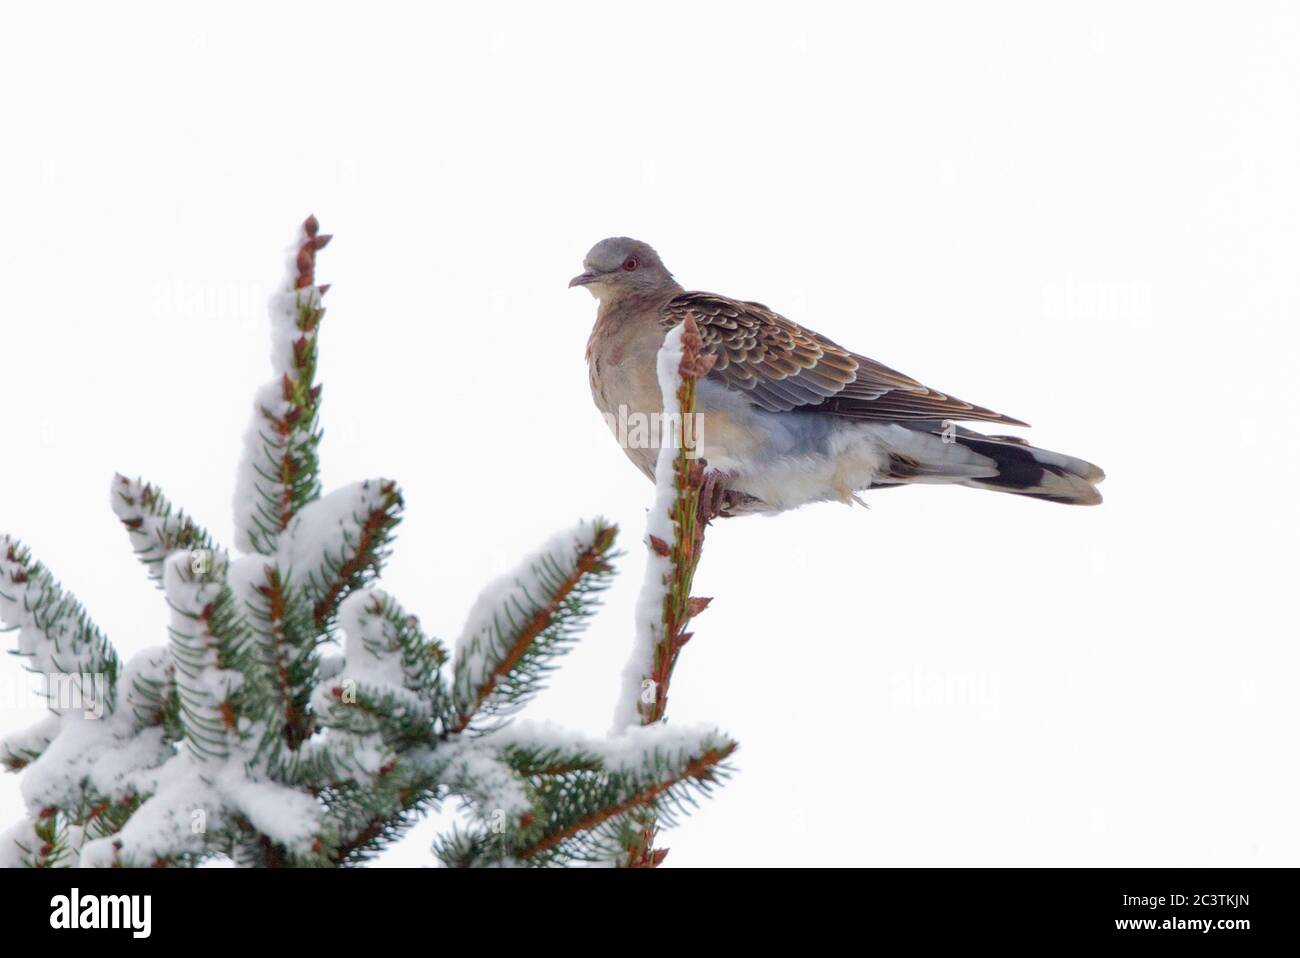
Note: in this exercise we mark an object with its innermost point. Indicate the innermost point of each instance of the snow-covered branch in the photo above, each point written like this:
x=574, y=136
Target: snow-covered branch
x=239, y=738
x=155, y=529
x=280, y=471
x=524, y=619
x=581, y=797
x=208, y=645
x=390, y=683
x=76, y=663
x=675, y=539
x=339, y=542
x=21, y=748
x=283, y=647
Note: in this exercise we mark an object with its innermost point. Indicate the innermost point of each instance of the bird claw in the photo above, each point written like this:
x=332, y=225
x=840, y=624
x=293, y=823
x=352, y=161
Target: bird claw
x=716, y=499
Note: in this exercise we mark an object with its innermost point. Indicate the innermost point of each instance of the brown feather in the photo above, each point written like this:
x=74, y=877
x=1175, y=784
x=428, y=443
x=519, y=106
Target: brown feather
x=781, y=366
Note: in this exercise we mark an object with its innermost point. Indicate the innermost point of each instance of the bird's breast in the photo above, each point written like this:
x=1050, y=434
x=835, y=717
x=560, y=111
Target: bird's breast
x=621, y=361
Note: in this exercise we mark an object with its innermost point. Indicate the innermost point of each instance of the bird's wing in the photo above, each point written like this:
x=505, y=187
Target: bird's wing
x=781, y=366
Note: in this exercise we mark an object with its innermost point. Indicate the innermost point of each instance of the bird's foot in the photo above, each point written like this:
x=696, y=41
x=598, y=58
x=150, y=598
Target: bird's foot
x=716, y=499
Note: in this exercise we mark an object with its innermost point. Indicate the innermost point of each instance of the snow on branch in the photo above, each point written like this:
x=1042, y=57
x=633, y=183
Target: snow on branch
x=76, y=663
x=21, y=748
x=20, y=845
x=280, y=471
x=390, y=683
x=198, y=804
x=239, y=738
x=95, y=769
x=338, y=543
x=383, y=797
x=524, y=619
x=110, y=756
x=208, y=643
x=579, y=794
x=150, y=684
x=155, y=529
x=588, y=824
x=675, y=539
x=282, y=648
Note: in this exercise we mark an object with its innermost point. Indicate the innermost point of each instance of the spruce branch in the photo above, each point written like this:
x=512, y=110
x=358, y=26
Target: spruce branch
x=687, y=542
x=155, y=528
x=606, y=798
x=55, y=634
x=675, y=539
x=281, y=468
x=150, y=683
x=524, y=620
x=90, y=778
x=577, y=796
x=339, y=542
x=19, y=749
x=209, y=645
x=20, y=844
x=375, y=809
x=390, y=684
x=283, y=648
x=239, y=738
x=51, y=847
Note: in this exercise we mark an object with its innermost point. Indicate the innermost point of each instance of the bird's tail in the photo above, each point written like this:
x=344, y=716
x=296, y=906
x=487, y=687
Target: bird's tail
x=1026, y=470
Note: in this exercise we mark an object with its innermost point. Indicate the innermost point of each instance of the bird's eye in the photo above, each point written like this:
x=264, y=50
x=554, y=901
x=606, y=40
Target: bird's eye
x=630, y=263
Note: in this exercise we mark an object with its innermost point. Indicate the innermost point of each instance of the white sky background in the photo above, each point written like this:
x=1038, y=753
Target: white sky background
x=1084, y=216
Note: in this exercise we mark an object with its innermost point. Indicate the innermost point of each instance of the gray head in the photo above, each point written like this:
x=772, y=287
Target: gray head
x=619, y=265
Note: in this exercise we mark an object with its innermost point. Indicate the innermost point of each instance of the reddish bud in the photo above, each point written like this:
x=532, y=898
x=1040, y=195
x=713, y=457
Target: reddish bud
x=698, y=366
x=696, y=605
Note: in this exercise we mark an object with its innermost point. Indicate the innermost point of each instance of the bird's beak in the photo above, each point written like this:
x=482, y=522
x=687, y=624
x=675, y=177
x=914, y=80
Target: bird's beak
x=582, y=279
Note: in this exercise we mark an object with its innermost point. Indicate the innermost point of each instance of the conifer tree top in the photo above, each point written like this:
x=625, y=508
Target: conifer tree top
x=242, y=735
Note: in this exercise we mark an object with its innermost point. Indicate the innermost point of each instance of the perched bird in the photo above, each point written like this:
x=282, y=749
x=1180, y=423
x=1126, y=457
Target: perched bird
x=789, y=417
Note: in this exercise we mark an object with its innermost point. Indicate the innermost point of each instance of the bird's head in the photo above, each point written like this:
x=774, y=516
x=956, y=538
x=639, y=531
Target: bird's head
x=618, y=266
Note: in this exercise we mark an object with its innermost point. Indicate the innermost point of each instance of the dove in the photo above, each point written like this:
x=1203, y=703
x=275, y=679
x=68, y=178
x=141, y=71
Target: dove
x=788, y=417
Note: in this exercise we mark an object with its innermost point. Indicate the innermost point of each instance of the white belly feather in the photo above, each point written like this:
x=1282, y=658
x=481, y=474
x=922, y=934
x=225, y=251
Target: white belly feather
x=789, y=459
